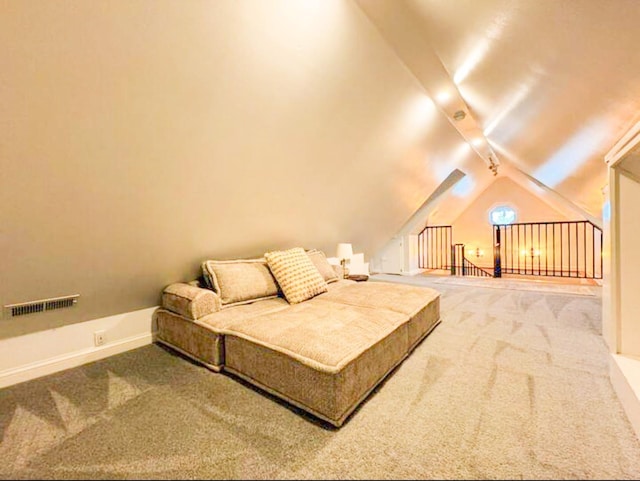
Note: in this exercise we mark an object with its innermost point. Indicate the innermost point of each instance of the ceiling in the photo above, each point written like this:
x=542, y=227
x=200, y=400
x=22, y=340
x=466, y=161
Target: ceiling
x=550, y=85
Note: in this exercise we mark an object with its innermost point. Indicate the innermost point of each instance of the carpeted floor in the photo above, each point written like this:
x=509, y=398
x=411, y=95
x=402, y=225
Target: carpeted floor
x=512, y=384
x=578, y=287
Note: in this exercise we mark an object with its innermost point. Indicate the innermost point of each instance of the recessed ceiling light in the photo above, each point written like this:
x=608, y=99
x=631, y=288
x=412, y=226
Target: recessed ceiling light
x=443, y=96
x=459, y=115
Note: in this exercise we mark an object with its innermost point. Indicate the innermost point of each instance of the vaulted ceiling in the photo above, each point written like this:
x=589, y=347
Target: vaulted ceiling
x=550, y=84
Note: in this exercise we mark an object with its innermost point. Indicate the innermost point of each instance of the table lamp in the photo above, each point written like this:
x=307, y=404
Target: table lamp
x=344, y=252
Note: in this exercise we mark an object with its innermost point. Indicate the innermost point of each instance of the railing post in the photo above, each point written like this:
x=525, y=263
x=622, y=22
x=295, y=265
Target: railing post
x=497, y=262
x=453, y=260
x=464, y=269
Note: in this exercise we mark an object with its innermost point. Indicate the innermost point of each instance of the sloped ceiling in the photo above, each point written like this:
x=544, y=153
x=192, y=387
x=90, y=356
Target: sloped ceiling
x=554, y=84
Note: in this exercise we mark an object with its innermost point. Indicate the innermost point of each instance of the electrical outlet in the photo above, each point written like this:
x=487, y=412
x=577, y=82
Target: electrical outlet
x=98, y=338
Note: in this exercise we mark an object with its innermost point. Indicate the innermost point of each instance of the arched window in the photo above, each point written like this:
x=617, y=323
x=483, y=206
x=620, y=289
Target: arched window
x=502, y=215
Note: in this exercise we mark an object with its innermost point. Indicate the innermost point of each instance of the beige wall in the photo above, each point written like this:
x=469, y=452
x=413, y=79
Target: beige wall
x=473, y=227
x=628, y=238
x=139, y=138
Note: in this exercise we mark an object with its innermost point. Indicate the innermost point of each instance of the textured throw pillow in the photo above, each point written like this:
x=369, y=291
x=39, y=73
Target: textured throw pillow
x=326, y=270
x=240, y=281
x=297, y=276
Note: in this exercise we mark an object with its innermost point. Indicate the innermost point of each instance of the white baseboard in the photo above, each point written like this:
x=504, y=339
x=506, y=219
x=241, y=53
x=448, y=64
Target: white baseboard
x=41, y=353
x=414, y=272
x=625, y=378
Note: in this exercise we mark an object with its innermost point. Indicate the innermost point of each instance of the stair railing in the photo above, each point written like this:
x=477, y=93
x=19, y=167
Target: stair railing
x=461, y=266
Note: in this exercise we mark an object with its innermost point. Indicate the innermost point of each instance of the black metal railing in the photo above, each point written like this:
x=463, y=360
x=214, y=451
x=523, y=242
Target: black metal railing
x=434, y=247
x=558, y=249
x=461, y=266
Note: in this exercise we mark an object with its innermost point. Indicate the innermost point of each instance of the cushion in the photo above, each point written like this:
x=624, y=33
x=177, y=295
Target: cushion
x=322, y=264
x=298, y=278
x=190, y=301
x=240, y=281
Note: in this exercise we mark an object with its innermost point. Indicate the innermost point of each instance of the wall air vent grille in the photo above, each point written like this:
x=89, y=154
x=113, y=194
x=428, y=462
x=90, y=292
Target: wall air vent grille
x=24, y=308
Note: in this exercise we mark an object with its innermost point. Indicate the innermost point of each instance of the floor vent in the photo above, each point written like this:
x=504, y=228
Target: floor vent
x=24, y=308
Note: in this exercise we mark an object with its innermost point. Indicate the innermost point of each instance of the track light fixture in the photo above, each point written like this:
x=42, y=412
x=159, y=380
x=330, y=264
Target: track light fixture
x=493, y=167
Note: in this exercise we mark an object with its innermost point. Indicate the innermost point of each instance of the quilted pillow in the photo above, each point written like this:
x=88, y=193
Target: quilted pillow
x=322, y=264
x=297, y=276
x=240, y=281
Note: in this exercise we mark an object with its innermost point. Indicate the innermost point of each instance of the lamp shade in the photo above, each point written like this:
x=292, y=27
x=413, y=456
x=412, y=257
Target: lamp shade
x=344, y=251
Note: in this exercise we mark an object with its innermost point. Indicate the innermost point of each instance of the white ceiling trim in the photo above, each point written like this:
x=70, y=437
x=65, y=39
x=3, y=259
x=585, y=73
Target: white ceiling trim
x=623, y=146
x=396, y=24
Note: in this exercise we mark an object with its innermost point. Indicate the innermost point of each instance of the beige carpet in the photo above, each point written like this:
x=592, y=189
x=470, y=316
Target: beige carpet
x=512, y=384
